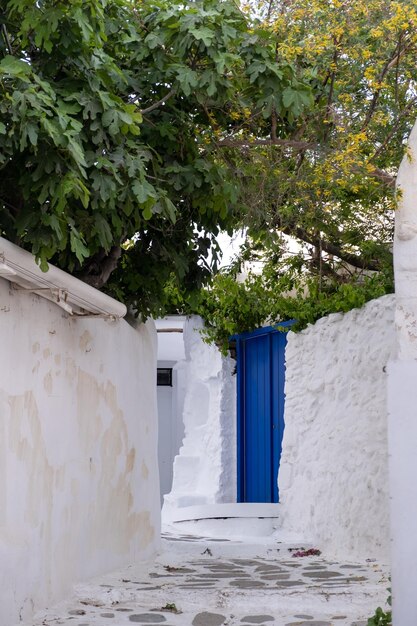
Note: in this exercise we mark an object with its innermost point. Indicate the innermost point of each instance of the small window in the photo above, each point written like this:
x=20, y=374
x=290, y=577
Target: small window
x=164, y=377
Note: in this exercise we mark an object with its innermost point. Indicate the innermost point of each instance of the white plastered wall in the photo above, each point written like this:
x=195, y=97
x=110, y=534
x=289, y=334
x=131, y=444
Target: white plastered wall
x=170, y=398
x=170, y=424
x=334, y=468
x=205, y=468
x=402, y=396
x=79, y=490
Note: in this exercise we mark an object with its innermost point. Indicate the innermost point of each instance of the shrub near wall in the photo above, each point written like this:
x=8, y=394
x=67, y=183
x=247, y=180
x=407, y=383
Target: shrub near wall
x=79, y=490
x=334, y=468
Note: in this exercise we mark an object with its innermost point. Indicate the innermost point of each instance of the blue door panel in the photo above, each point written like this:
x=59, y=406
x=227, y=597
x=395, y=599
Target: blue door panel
x=257, y=423
x=279, y=341
x=260, y=408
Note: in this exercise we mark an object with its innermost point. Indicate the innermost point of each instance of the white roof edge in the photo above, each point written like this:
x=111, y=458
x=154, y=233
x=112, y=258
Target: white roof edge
x=73, y=295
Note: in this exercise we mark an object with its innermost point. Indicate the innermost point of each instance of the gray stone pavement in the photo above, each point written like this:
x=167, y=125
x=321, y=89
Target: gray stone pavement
x=197, y=581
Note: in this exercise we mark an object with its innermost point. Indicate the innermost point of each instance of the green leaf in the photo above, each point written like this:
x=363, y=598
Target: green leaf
x=14, y=67
x=153, y=40
x=212, y=87
x=147, y=213
x=255, y=69
x=32, y=132
x=78, y=246
x=188, y=79
x=203, y=34
x=43, y=263
x=83, y=22
x=143, y=190
x=288, y=97
x=76, y=151
x=296, y=99
x=170, y=209
x=53, y=221
x=104, y=231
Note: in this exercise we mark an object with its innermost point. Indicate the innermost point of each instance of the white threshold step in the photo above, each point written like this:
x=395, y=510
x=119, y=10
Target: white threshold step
x=239, y=510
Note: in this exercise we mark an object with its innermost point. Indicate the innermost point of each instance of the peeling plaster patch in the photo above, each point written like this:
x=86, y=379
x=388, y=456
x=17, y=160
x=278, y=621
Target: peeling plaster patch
x=143, y=526
x=71, y=369
x=111, y=442
x=85, y=340
x=144, y=471
x=47, y=383
x=88, y=417
x=57, y=359
x=46, y=353
x=110, y=396
x=25, y=439
x=130, y=460
x=113, y=520
x=35, y=368
x=36, y=347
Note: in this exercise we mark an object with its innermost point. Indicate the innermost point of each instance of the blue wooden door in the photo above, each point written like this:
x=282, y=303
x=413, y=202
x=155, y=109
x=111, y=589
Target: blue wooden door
x=260, y=407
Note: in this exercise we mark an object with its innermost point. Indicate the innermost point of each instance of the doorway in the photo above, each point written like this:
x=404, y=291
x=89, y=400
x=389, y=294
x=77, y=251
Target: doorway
x=260, y=411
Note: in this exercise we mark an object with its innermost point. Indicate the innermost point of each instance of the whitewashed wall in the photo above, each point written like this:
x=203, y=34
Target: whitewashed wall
x=170, y=424
x=205, y=469
x=170, y=399
x=334, y=469
x=79, y=491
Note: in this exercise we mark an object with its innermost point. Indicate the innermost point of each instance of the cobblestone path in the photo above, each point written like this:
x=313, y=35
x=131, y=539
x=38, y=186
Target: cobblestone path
x=198, y=581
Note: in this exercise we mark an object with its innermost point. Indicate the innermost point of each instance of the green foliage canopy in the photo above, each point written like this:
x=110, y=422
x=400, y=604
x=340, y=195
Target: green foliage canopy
x=108, y=110
x=318, y=188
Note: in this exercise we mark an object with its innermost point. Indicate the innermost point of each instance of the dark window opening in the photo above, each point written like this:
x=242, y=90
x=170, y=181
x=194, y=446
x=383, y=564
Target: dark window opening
x=164, y=377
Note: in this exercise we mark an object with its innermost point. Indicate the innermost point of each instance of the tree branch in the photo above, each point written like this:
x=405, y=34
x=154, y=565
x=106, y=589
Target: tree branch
x=6, y=38
x=332, y=78
x=394, y=129
x=285, y=143
x=274, y=125
x=381, y=175
x=103, y=267
x=157, y=104
x=392, y=62
x=326, y=246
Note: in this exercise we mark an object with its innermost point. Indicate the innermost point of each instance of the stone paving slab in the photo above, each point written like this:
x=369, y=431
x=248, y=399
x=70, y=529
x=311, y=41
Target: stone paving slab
x=198, y=582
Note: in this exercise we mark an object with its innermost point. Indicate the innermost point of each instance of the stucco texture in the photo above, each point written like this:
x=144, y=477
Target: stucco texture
x=79, y=489
x=333, y=477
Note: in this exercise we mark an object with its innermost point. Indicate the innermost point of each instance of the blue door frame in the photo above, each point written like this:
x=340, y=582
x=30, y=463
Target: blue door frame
x=260, y=411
